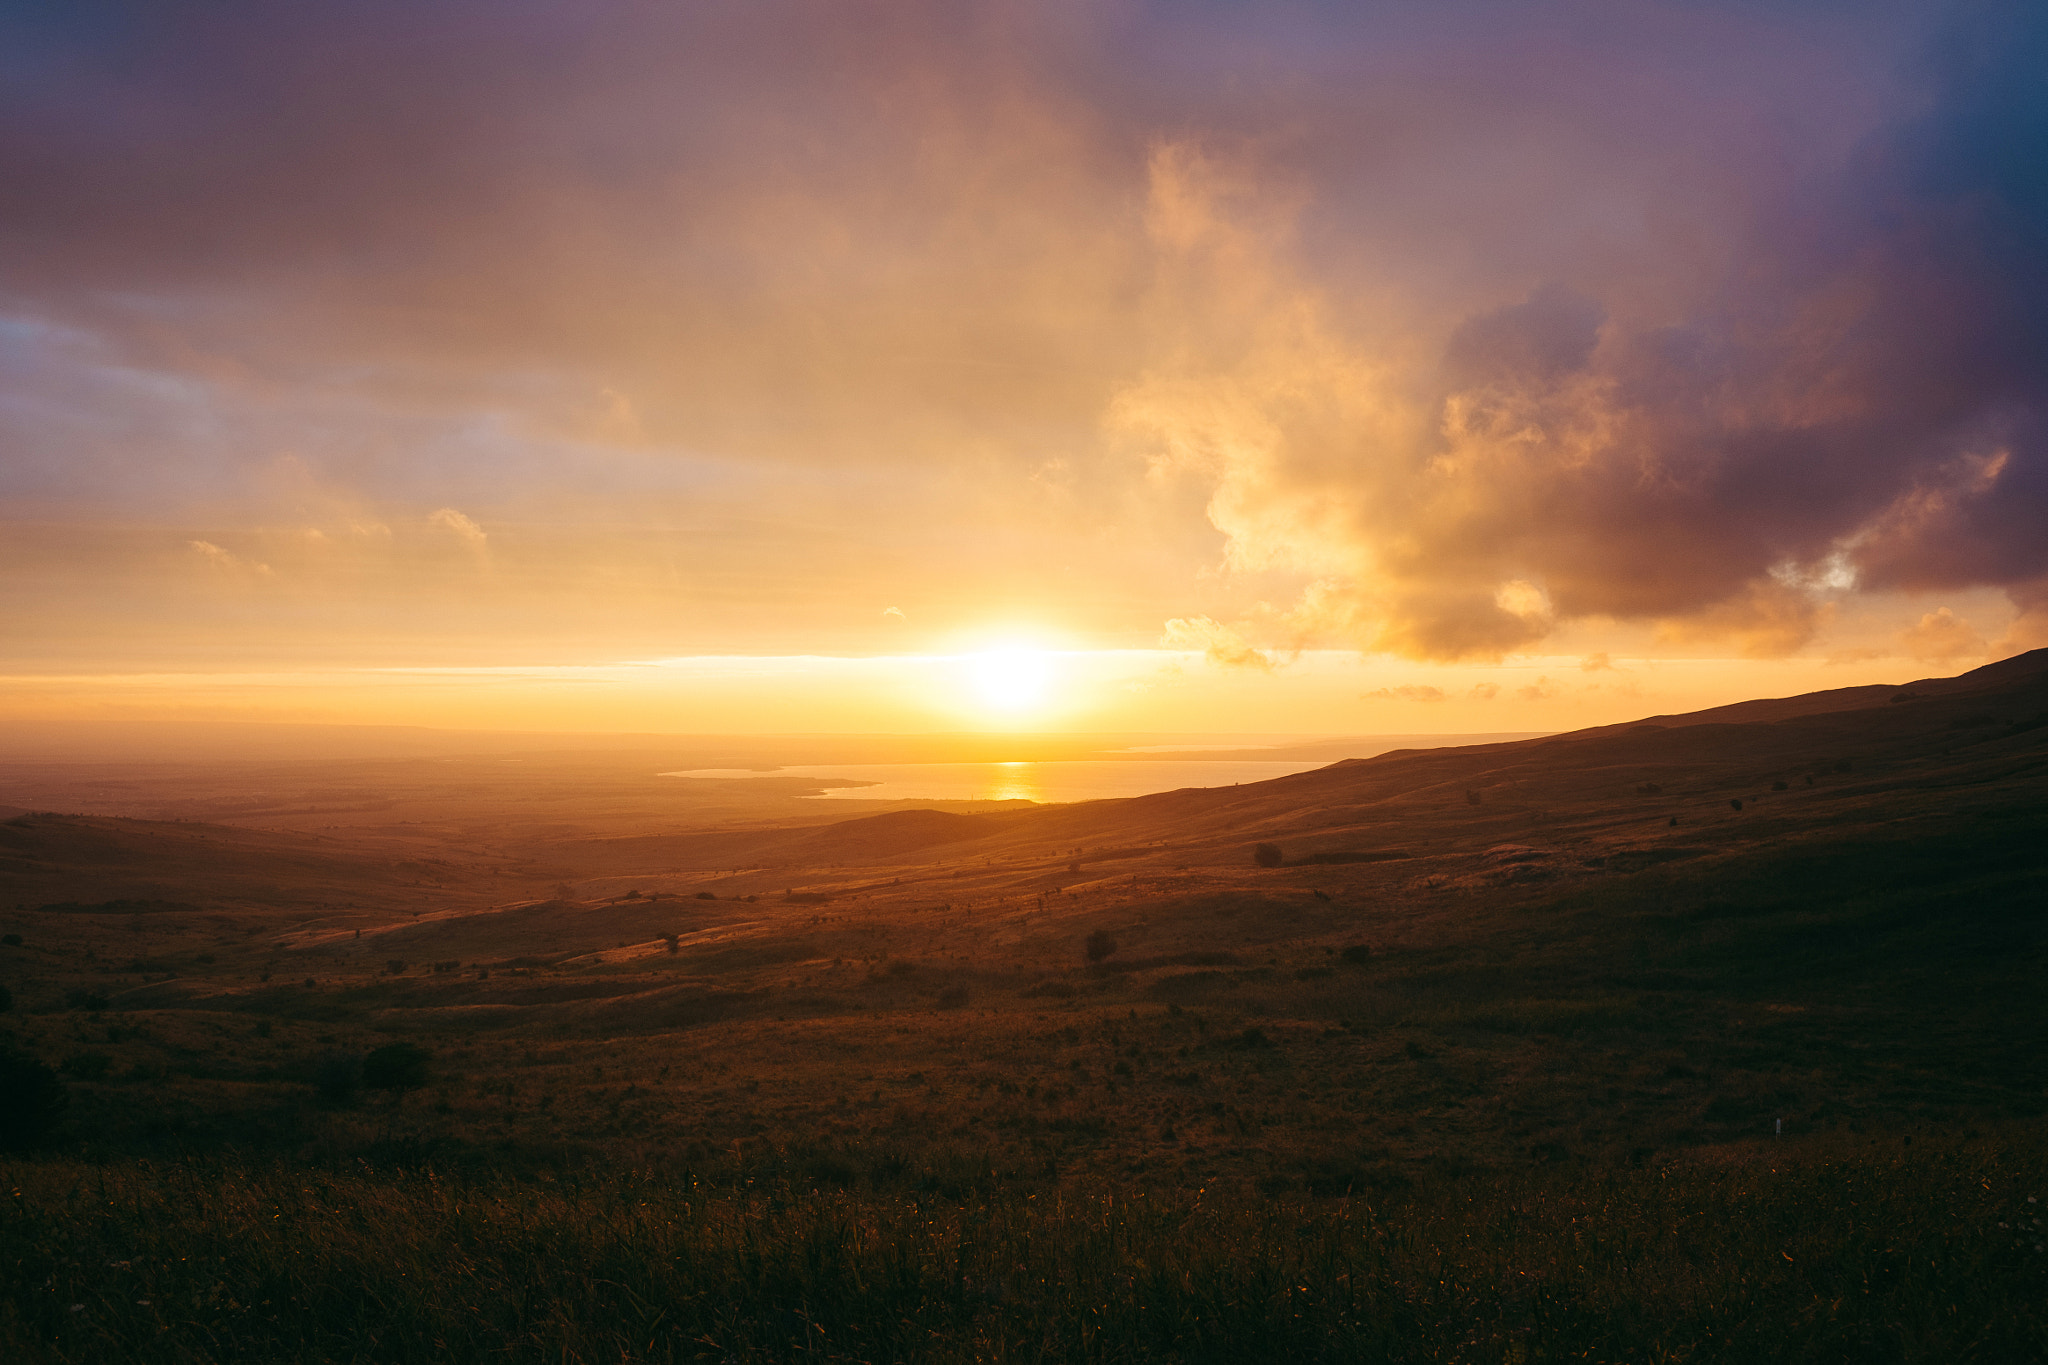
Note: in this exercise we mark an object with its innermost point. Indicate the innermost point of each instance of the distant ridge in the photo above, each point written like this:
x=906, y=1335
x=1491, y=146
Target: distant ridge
x=2033, y=662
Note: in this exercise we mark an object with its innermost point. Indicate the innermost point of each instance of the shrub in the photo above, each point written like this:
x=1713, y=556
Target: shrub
x=396, y=1066
x=88, y=1066
x=6, y=1000
x=78, y=998
x=32, y=1099
x=1266, y=855
x=673, y=942
x=11, y=940
x=1735, y=803
x=706, y=896
x=337, y=1075
x=396, y=966
x=1357, y=953
x=1100, y=945
x=953, y=998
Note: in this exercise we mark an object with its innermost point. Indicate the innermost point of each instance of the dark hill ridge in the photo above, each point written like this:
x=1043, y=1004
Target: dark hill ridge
x=1627, y=781
x=1615, y=788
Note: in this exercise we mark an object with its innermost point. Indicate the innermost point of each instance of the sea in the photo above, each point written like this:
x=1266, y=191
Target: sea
x=1051, y=781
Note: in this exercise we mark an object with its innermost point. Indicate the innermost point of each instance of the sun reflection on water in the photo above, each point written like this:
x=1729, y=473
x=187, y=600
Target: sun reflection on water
x=1013, y=782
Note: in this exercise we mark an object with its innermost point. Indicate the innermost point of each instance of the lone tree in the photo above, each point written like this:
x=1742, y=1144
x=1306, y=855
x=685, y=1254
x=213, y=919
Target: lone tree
x=396, y=1066
x=1266, y=855
x=32, y=1099
x=1100, y=945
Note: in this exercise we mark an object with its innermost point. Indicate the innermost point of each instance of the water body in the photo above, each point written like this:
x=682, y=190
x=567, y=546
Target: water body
x=1061, y=780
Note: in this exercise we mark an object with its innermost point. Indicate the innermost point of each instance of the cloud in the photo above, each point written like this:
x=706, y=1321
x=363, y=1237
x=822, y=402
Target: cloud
x=1942, y=637
x=1597, y=662
x=1843, y=375
x=1543, y=689
x=1219, y=643
x=1484, y=691
x=1410, y=693
x=467, y=531
x=896, y=612
x=1766, y=620
x=226, y=560
x=1444, y=326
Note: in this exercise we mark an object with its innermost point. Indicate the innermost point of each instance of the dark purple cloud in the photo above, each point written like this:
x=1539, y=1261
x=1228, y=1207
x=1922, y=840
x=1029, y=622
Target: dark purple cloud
x=1482, y=317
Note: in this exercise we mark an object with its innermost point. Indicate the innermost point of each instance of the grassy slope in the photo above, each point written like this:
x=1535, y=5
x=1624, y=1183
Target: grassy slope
x=1534, y=1124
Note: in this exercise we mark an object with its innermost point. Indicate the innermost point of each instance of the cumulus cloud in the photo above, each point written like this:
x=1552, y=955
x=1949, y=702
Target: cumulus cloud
x=1409, y=693
x=896, y=612
x=465, y=530
x=227, y=560
x=1855, y=389
x=1219, y=643
x=1443, y=325
x=1543, y=689
x=1484, y=691
x=1942, y=637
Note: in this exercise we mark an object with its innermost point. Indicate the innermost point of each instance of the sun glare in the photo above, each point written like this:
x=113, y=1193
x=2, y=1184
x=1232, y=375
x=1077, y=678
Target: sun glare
x=1012, y=679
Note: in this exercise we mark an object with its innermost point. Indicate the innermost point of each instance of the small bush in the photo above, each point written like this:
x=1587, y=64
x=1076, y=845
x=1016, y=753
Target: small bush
x=953, y=998
x=6, y=1000
x=11, y=940
x=337, y=1076
x=1356, y=954
x=1735, y=803
x=1100, y=945
x=1266, y=855
x=396, y=1066
x=78, y=998
x=706, y=896
x=32, y=1100
x=396, y=966
x=673, y=942
x=88, y=1066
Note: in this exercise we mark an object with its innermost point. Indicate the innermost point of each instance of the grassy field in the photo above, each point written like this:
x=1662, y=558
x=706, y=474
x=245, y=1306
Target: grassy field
x=1673, y=1043
x=1852, y=1252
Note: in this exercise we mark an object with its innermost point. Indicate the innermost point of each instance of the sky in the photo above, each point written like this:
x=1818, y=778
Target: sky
x=849, y=365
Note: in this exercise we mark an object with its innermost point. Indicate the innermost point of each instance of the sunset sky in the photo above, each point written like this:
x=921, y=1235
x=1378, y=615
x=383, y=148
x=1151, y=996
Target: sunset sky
x=940, y=366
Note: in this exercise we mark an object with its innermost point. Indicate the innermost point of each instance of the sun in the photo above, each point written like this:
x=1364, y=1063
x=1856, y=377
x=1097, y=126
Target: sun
x=1012, y=679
